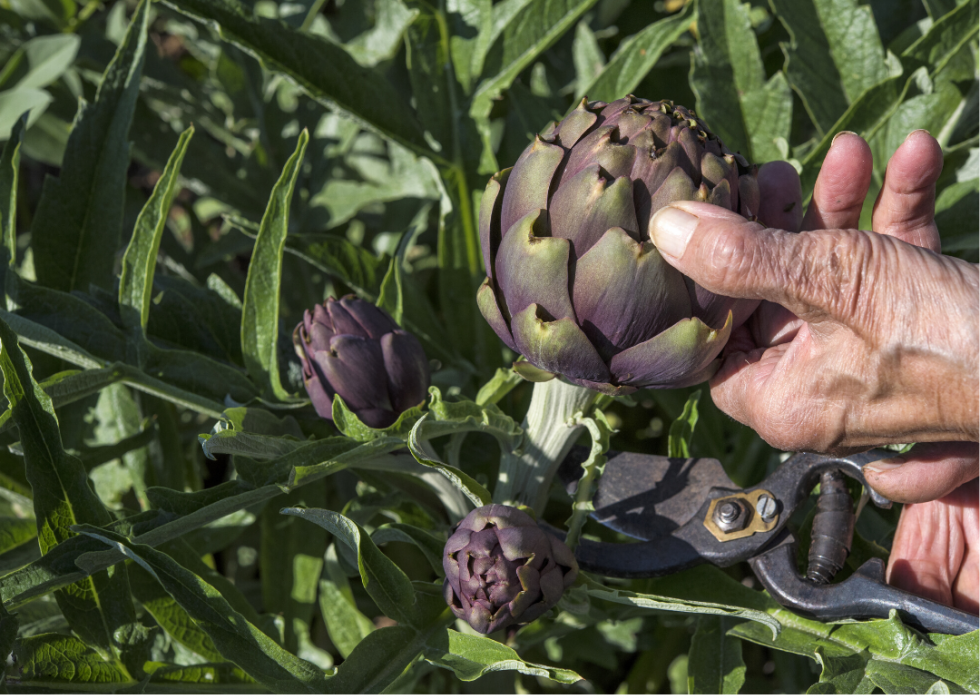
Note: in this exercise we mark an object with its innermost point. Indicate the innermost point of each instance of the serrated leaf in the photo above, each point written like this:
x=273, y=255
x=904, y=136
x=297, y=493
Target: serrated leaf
x=78, y=222
x=326, y=71
x=637, y=55
x=477, y=494
x=140, y=258
x=454, y=416
x=472, y=657
x=9, y=170
x=715, y=664
x=834, y=55
x=747, y=112
x=260, y=309
x=347, y=422
x=98, y=607
x=235, y=637
x=384, y=581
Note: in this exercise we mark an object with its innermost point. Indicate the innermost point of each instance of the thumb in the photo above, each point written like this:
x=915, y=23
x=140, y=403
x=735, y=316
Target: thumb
x=925, y=472
x=813, y=274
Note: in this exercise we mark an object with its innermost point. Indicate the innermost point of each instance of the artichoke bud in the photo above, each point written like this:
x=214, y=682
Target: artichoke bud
x=353, y=348
x=503, y=569
x=573, y=283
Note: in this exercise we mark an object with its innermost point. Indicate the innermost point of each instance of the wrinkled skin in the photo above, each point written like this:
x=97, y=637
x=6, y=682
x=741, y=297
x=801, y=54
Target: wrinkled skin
x=353, y=348
x=502, y=569
x=573, y=282
x=862, y=339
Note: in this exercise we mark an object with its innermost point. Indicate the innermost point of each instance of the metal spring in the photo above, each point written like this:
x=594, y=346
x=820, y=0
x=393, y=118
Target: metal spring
x=833, y=529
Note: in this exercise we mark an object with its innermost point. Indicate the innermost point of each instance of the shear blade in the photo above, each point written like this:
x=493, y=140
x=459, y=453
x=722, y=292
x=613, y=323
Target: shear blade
x=646, y=496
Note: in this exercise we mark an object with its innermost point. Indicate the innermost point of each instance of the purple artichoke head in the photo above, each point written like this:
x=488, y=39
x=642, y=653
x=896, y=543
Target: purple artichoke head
x=352, y=348
x=502, y=568
x=573, y=281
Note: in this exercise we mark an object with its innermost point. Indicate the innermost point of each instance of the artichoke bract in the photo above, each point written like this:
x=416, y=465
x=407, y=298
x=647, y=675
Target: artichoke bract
x=353, y=348
x=502, y=568
x=573, y=281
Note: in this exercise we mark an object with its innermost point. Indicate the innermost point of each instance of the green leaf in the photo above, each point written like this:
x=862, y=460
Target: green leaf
x=15, y=531
x=40, y=61
x=477, y=494
x=715, y=664
x=384, y=581
x=61, y=658
x=502, y=383
x=171, y=616
x=9, y=170
x=346, y=625
x=834, y=56
x=875, y=106
x=518, y=39
x=747, y=112
x=66, y=387
x=347, y=422
x=326, y=71
x=140, y=259
x=472, y=657
x=295, y=548
x=637, y=55
x=430, y=545
x=682, y=429
x=600, y=431
x=224, y=674
x=235, y=637
x=701, y=590
x=99, y=607
x=587, y=56
x=260, y=310
x=78, y=222
x=383, y=40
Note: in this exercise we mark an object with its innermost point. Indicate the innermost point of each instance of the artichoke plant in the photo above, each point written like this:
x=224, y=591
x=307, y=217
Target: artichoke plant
x=574, y=283
x=502, y=568
x=354, y=349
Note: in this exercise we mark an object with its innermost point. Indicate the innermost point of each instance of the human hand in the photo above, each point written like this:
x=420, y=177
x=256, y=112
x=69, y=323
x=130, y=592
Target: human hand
x=882, y=346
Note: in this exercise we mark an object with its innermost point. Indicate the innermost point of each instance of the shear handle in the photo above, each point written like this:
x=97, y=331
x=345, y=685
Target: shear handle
x=863, y=595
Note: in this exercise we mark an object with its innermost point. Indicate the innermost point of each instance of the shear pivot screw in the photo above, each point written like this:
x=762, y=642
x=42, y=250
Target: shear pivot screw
x=732, y=515
x=765, y=506
x=729, y=512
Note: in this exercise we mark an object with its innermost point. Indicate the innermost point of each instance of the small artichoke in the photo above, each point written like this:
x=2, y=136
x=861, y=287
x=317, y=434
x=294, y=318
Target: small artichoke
x=502, y=568
x=574, y=283
x=352, y=348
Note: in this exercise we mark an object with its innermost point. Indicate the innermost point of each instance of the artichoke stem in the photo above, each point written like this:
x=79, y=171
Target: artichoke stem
x=525, y=478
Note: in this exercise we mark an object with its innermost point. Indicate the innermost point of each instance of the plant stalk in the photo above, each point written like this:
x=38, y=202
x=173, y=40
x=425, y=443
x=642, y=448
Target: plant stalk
x=550, y=432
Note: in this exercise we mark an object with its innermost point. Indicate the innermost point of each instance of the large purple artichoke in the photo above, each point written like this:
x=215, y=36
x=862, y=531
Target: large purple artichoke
x=573, y=281
x=353, y=348
x=502, y=568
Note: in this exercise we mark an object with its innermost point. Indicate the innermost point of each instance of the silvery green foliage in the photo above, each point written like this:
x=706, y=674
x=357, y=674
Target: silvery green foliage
x=154, y=273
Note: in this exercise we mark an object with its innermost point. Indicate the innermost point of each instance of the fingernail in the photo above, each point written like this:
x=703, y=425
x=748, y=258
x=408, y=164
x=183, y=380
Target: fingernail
x=911, y=134
x=885, y=464
x=850, y=133
x=671, y=229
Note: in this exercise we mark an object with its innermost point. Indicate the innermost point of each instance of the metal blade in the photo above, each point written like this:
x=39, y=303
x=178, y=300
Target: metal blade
x=646, y=496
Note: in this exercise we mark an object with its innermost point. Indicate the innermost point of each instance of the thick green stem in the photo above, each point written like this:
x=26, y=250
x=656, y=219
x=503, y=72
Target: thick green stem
x=550, y=432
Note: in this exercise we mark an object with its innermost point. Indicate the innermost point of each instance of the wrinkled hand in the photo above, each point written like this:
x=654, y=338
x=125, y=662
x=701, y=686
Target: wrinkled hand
x=862, y=339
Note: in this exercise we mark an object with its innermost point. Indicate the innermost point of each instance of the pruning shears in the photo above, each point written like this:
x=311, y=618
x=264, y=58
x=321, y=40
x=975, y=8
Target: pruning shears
x=687, y=512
